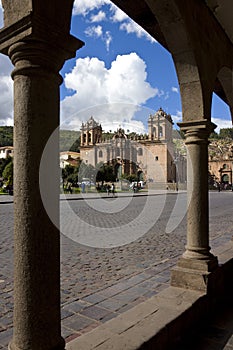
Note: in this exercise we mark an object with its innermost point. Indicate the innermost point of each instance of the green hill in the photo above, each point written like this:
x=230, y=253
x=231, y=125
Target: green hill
x=69, y=139
x=6, y=136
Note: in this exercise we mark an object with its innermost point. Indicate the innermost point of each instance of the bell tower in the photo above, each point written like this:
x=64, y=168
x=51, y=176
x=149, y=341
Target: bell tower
x=160, y=126
x=91, y=133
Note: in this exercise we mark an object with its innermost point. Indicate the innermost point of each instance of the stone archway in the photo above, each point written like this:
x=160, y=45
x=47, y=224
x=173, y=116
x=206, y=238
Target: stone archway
x=37, y=39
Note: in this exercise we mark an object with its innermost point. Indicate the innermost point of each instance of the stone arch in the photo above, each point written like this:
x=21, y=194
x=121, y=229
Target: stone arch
x=195, y=84
x=224, y=81
x=56, y=14
x=48, y=24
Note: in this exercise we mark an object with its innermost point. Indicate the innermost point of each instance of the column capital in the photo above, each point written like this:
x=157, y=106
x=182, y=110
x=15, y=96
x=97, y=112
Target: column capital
x=34, y=57
x=197, y=131
x=35, y=28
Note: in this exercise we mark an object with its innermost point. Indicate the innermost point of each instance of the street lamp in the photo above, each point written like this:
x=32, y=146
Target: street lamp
x=176, y=161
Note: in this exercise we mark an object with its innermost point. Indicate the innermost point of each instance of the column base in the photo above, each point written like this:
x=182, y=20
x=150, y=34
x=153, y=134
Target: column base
x=59, y=346
x=193, y=274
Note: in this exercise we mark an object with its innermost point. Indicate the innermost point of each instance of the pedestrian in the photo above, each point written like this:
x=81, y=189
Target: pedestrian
x=83, y=187
x=69, y=188
x=113, y=190
x=108, y=189
x=134, y=188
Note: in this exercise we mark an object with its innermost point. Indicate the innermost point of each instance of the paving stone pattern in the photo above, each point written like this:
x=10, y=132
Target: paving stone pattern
x=99, y=284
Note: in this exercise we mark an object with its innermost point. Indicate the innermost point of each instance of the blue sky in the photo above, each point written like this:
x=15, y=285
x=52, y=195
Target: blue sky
x=119, y=77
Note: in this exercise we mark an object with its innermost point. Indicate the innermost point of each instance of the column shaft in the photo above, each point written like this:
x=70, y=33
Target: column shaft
x=197, y=187
x=37, y=240
x=197, y=263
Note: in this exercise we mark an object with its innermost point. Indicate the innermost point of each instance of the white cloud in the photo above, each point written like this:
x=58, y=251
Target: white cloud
x=175, y=89
x=100, y=16
x=1, y=15
x=82, y=7
x=118, y=14
x=221, y=123
x=94, y=31
x=6, y=91
x=111, y=95
x=6, y=85
x=132, y=27
x=97, y=32
x=177, y=118
x=108, y=39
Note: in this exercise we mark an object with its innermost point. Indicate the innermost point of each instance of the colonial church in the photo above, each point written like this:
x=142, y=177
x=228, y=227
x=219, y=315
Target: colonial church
x=151, y=156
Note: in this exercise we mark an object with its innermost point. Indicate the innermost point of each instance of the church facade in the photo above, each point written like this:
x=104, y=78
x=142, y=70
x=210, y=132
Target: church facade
x=151, y=156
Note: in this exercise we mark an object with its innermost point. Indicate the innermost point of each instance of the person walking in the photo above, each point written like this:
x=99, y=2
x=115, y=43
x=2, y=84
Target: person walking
x=113, y=190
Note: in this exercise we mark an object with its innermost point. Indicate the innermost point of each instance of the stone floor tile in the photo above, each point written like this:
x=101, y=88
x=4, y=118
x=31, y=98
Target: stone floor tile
x=66, y=332
x=94, y=298
x=77, y=322
x=126, y=297
x=150, y=293
x=76, y=306
x=6, y=336
x=109, y=316
x=95, y=312
x=65, y=313
x=111, y=304
x=89, y=328
x=137, y=290
x=72, y=337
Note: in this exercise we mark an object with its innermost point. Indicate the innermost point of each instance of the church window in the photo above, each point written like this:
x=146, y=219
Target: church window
x=100, y=154
x=160, y=131
x=156, y=158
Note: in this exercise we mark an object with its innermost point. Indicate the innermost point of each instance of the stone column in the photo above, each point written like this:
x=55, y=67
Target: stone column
x=92, y=137
x=36, y=239
x=87, y=136
x=82, y=135
x=197, y=259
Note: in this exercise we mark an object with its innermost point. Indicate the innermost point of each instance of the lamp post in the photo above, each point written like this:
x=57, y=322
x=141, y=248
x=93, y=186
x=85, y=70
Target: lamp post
x=175, y=162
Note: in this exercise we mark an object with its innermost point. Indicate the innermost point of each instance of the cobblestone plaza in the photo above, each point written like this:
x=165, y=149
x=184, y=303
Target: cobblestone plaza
x=98, y=284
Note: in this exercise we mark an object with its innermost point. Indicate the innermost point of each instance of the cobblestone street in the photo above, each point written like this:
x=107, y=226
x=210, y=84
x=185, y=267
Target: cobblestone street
x=99, y=283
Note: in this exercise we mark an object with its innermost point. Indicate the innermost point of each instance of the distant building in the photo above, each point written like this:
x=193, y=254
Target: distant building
x=6, y=151
x=69, y=158
x=221, y=161
x=151, y=157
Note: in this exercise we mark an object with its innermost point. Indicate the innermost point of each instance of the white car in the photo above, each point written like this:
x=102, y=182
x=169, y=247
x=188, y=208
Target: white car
x=139, y=184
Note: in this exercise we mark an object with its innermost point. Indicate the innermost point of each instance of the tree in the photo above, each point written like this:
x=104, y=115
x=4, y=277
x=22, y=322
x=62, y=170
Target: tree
x=214, y=135
x=6, y=136
x=8, y=173
x=3, y=163
x=226, y=133
x=105, y=173
x=131, y=177
x=76, y=145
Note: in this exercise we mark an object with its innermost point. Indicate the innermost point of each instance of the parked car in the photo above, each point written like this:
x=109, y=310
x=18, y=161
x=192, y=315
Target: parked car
x=137, y=184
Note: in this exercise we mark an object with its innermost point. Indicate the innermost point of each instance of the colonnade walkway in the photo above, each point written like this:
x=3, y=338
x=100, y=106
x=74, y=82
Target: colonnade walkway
x=91, y=310
x=216, y=332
